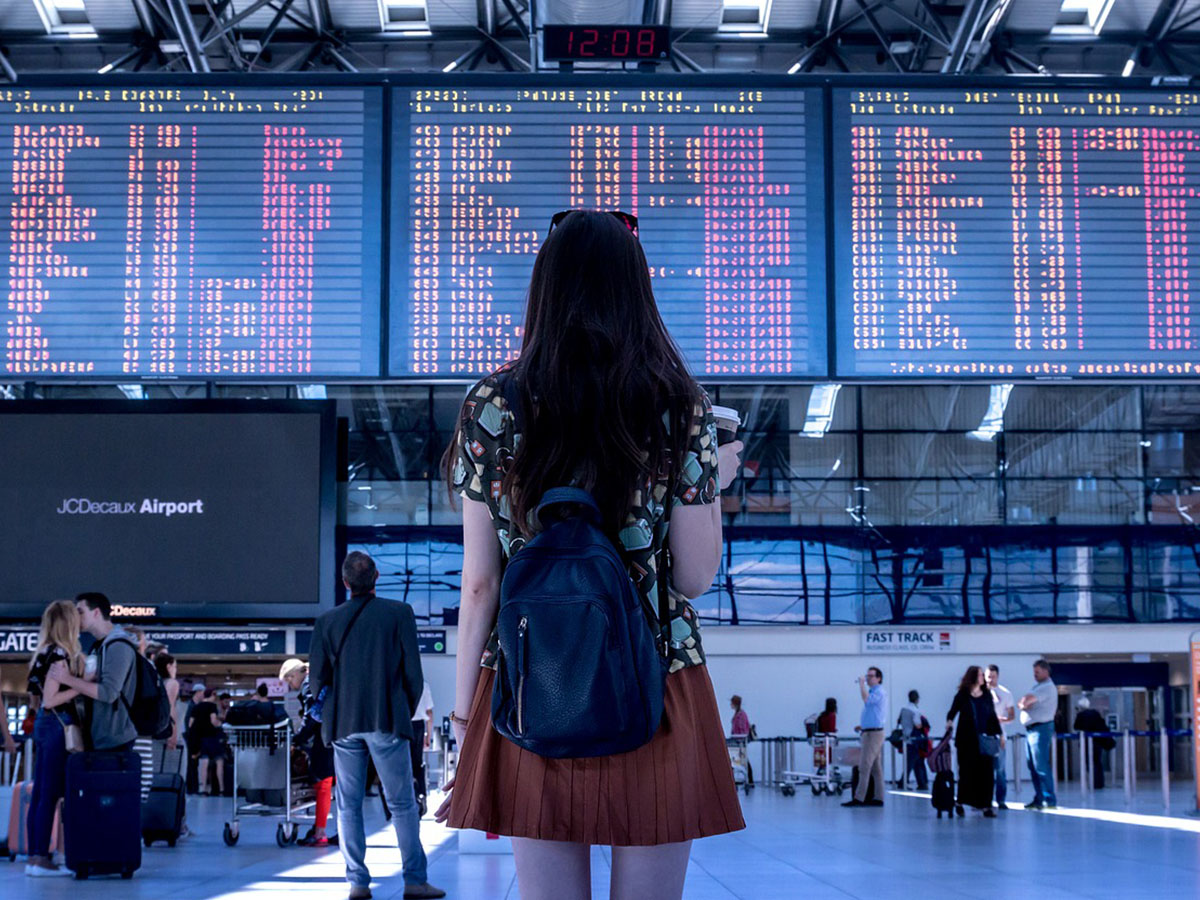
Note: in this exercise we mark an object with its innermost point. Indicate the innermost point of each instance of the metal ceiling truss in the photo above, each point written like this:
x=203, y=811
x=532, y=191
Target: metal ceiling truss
x=909, y=36
x=208, y=35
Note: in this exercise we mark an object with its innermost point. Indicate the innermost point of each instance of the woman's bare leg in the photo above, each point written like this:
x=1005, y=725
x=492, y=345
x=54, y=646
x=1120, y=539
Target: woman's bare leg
x=553, y=870
x=658, y=872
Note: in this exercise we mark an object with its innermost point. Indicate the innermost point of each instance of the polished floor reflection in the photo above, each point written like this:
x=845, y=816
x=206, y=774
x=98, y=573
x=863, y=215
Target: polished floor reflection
x=799, y=847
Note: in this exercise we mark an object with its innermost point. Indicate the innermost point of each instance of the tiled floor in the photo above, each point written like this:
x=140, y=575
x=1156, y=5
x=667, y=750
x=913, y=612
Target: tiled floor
x=794, y=847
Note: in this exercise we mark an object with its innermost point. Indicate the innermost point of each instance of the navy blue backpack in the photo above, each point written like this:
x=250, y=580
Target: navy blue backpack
x=579, y=673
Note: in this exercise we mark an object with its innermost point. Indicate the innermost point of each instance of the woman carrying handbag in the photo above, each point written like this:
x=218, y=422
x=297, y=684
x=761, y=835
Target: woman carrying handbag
x=978, y=739
x=56, y=731
x=600, y=401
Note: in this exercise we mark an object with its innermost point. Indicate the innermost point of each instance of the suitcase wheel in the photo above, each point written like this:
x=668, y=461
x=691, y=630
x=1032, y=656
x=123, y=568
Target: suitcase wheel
x=230, y=835
x=170, y=842
x=81, y=873
x=789, y=790
x=147, y=840
x=285, y=834
x=127, y=874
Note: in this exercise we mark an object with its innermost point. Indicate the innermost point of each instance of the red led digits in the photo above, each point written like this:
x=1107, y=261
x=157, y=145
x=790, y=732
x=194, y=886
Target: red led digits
x=711, y=180
x=179, y=232
x=1020, y=232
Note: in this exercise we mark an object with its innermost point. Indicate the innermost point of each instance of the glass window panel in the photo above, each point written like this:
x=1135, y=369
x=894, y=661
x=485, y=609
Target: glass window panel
x=1094, y=454
x=255, y=391
x=1026, y=590
x=388, y=503
x=384, y=407
x=1074, y=501
x=1072, y=408
x=932, y=501
x=391, y=456
x=783, y=407
x=425, y=573
x=1173, y=501
x=934, y=407
x=1173, y=583
x=1172, y=407
x=927, y=455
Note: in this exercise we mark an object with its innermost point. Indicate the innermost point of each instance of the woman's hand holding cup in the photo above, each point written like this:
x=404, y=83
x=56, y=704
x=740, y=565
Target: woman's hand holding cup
x=729, y=448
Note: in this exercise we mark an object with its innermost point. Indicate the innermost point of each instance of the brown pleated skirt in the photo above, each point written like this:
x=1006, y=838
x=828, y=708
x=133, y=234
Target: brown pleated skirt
x=676, y=788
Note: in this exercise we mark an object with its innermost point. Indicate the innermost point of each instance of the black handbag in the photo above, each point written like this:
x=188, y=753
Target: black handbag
x=989, y=745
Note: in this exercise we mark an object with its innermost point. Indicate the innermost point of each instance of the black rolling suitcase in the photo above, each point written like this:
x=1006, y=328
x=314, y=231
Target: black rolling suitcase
x=162, y=813
x=102, y=815
x=942, y=796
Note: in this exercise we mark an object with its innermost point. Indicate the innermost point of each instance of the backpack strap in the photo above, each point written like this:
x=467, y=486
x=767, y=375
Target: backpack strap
x=133, y=670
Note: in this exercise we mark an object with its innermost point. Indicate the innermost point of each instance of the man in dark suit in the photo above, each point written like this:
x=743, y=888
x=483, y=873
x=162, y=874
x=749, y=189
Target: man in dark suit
x=364, y=660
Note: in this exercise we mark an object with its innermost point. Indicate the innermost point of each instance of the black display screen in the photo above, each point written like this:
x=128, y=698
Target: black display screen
x=583, y=42
x=726, y=182
x=166, y=232
x=1015, y=232
x=197, y=510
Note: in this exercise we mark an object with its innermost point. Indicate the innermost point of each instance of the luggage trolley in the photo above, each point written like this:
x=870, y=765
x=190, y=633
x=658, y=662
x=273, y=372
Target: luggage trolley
x=269, y=749
x=739, y=761
x=832, y=762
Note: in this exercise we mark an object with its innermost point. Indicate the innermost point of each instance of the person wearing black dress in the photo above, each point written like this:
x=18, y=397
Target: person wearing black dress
x=976, y=717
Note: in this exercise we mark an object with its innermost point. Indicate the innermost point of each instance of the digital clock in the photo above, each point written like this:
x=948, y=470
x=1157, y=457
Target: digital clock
x=636, y=42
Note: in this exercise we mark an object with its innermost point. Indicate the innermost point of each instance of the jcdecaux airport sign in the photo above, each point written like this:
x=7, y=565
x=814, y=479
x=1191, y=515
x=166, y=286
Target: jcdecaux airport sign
x=908, y=640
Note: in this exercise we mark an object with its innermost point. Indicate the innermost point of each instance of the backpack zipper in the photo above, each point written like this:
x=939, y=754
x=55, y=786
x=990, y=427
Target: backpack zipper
x=522, y=630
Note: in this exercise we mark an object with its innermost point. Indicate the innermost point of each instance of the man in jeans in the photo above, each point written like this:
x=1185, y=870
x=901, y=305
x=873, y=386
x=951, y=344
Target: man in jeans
x=364, y=659
x=116, y=654
x=1006, y=712
x=1037, y=715
x=870, y=762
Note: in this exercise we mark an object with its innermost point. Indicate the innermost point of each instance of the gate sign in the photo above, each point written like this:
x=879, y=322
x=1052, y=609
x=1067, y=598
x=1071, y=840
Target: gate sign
x=907, y=640
x=1195, y=641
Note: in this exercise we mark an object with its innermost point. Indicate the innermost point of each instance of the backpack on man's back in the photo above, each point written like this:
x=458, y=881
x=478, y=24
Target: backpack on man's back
x=150, y=710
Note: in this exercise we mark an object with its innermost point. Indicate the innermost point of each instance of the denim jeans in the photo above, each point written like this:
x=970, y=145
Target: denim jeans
x=1037, y=755
x=392, y=762
x=49, y=780
x=1001, y=777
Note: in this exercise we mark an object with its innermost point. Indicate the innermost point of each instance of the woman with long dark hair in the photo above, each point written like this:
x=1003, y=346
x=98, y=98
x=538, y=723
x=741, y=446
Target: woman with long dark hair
x=977, y=735
x=605, y=403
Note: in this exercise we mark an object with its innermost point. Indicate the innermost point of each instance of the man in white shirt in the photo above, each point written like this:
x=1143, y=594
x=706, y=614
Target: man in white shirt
x=1037, y=715
x=1006, y=712
x=915, y=741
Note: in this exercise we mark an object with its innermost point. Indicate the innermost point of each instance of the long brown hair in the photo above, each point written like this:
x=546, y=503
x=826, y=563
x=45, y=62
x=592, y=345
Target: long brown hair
x=60, y=628
x=605, y=398
x=970, y=678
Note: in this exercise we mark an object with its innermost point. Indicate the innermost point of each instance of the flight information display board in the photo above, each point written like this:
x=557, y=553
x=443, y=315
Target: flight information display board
x=159, y=232
x=727, y=185
x=1018, y=232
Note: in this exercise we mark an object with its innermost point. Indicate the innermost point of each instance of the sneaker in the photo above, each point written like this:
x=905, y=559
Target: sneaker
x=1002, y=807
x=1050, y=806
x=872, y=803
x=989, y=814
x=424, y=891
x=310, y=840
x=854, y=803
x=1033, y=804
x=48, y=872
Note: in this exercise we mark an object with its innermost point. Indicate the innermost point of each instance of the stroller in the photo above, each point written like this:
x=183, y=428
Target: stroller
x=941, y=761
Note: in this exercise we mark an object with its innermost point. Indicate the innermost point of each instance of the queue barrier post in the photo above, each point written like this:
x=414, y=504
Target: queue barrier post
x=1085, y=765
x=1127, y=765
x=1017, y=754
x=1164, y=761
x=1054, y=758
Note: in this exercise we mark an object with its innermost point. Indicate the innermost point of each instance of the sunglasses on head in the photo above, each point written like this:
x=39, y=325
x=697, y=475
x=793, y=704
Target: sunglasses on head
x=624, y=218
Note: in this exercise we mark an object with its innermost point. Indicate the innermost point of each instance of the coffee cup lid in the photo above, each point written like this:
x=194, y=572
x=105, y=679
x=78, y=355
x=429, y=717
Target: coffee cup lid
x=727, y=412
